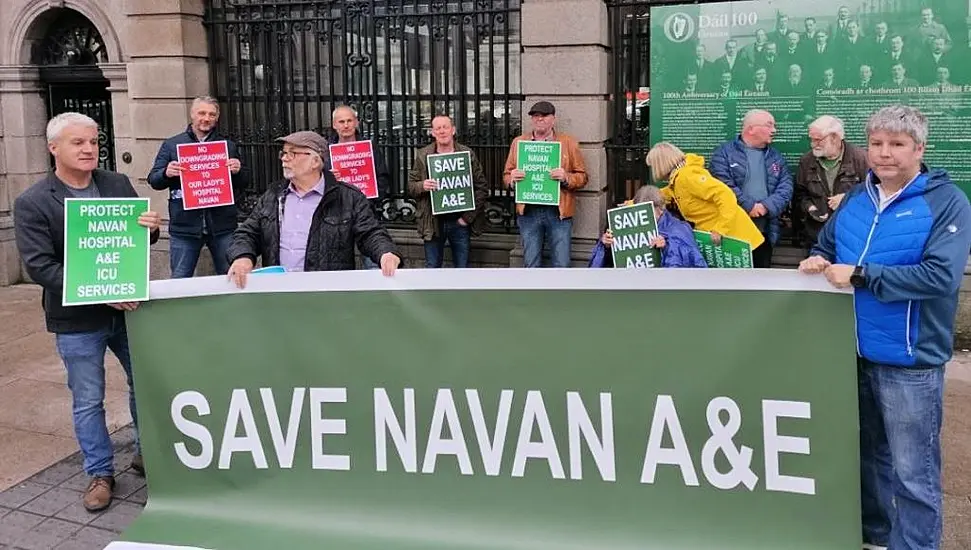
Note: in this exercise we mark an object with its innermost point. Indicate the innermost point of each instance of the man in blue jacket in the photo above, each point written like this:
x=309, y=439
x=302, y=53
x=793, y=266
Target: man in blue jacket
x=758, y=175
x=189, y=230
x=901, y=241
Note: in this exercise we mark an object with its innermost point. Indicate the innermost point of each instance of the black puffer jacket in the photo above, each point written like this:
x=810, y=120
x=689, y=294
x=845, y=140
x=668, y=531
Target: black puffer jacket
x=342, y=219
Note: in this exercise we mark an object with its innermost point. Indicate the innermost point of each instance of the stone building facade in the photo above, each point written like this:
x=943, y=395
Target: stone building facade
x=154, y=59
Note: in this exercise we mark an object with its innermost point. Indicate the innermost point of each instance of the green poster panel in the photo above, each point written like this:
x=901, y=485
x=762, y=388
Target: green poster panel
x=106, y=252
x=713, y=62
x=536, y=159
x=311, y=438
x=731, y=253
x=633, y=227
x=453, y=172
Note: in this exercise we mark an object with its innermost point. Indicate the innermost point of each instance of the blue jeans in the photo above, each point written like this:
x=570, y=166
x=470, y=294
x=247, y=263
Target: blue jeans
x=900, y=455
x=184, y=253
x=459, y=241
x=83, y=354
x=542, y=224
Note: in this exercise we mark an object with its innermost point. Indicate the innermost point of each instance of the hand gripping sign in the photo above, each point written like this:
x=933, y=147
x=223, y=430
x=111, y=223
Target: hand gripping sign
x=206, y=179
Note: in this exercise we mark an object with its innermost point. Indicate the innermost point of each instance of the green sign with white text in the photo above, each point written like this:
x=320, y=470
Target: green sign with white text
x=453, y=172
x=537, y=159
x=633, y=227
x=713, y=62
x=731, y=253
x=106, y=252
x=311, y=438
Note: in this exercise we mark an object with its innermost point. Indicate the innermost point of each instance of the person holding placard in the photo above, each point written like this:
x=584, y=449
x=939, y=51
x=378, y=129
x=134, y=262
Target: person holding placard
x=212, y=227
x=706, y=203
x=82, y=333
x=449, y=185
x=346, y=128
x=546, y=175
x=309, y=221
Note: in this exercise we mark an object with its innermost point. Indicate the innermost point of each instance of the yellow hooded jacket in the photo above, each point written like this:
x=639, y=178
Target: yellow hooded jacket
x=708, y=203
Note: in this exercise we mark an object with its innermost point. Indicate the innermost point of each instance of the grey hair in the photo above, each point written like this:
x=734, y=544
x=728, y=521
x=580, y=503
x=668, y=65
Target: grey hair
x=899, y=119
x=205, y=99
x=649, y=193
x=340, y=107
x=752, y=115
x=57, y=124
x=828, y=124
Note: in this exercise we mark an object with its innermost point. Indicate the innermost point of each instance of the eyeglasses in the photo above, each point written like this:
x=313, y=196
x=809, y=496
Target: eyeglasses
x=290, y=154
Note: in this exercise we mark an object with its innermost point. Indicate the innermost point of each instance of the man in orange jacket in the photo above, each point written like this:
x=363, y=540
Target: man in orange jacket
x=537, y=222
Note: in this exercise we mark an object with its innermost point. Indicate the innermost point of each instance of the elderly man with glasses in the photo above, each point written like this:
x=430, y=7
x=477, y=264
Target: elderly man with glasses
x=309, y=221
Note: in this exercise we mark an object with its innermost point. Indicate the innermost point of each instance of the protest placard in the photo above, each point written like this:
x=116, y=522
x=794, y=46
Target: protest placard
x=354, y=162
x=732, y=253
x=633, y=227
x=106, y=252
x=536, y=159
x=453, y=172
x=206, y=178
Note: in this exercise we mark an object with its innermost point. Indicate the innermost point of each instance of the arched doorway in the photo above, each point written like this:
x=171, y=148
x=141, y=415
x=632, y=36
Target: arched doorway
x=67, y=53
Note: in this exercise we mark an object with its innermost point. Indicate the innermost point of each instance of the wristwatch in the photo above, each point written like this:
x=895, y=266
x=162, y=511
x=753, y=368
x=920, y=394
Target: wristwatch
x=858, y=278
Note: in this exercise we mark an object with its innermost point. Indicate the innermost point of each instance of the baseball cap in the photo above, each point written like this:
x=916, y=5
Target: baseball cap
x=308, y=139
x=542, y=108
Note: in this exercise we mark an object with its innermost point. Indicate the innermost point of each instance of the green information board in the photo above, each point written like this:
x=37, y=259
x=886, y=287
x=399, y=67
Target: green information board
x=453, y=172
x=106, y=252
x=711, y=63
x=731, y=253
x=633, y=227
x=536, y=159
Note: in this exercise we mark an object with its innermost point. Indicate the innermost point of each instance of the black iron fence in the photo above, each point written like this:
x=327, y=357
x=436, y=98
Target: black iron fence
x=279, y=66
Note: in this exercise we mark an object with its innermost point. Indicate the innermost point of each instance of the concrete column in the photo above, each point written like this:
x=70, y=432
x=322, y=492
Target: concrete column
x=24, y=157
x=566, y=61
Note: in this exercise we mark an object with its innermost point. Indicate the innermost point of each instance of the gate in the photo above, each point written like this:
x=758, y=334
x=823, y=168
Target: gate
x=280, y=66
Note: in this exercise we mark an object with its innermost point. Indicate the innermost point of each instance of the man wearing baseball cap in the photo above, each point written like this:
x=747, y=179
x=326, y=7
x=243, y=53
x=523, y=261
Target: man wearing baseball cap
x=309, y=221
x=537, y=222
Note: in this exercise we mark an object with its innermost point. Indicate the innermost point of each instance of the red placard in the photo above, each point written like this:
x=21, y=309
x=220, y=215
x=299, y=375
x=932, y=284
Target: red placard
x=354, y=163
x=206, y=179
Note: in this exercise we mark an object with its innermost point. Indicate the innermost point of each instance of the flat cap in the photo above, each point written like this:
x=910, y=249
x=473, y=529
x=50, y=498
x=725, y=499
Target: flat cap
x=308, y=139
x=542, y=108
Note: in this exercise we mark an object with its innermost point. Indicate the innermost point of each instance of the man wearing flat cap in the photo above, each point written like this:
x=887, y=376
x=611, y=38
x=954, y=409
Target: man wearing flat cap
x=539, y=222
x=309, y=221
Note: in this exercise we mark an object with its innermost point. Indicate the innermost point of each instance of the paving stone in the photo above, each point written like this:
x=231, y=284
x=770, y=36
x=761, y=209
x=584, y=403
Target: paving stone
x=47, y=535
x=139, y=497
x=75, y=512
x=52, y=502
x=77, y=483
x=21, y=494
x=118, y=517
x=4, y=510
x=57, y=474
x=127, y=483
x=88, y=538
x=16, y=524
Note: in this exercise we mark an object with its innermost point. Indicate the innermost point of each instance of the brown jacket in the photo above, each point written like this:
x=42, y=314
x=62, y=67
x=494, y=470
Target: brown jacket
x=427, y=228
x=572, y=163
x=812, y=189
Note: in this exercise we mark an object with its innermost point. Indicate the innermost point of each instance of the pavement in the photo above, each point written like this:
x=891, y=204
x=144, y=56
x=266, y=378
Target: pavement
x=41, y=479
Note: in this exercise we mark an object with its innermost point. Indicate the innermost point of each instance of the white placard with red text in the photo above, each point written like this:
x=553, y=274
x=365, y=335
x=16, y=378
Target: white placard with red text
x=354, y=163
x=206, y=179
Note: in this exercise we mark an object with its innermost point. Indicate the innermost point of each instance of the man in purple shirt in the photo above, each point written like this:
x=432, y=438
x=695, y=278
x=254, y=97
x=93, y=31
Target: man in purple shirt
x=310, y=221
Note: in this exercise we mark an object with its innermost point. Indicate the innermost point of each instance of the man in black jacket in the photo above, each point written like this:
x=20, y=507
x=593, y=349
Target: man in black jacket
x=83, y=333
x=310, y=221
x=346, y=126
x=189, y=230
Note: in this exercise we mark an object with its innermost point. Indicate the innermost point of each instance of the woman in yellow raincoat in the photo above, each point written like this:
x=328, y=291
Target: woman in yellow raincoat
x=703, y=200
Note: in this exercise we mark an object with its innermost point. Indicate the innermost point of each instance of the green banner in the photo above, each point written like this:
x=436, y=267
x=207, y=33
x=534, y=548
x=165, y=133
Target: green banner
x=106, y=252
x=633, y=227
x=314, y=437
x=711, y=63
x=536, y=159
x=453, y=172
x=731, y=253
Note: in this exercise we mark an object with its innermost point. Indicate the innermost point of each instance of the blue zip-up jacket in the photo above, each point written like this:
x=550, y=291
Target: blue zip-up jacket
x=188, y=223
x=729, y=164
x=913, y=254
